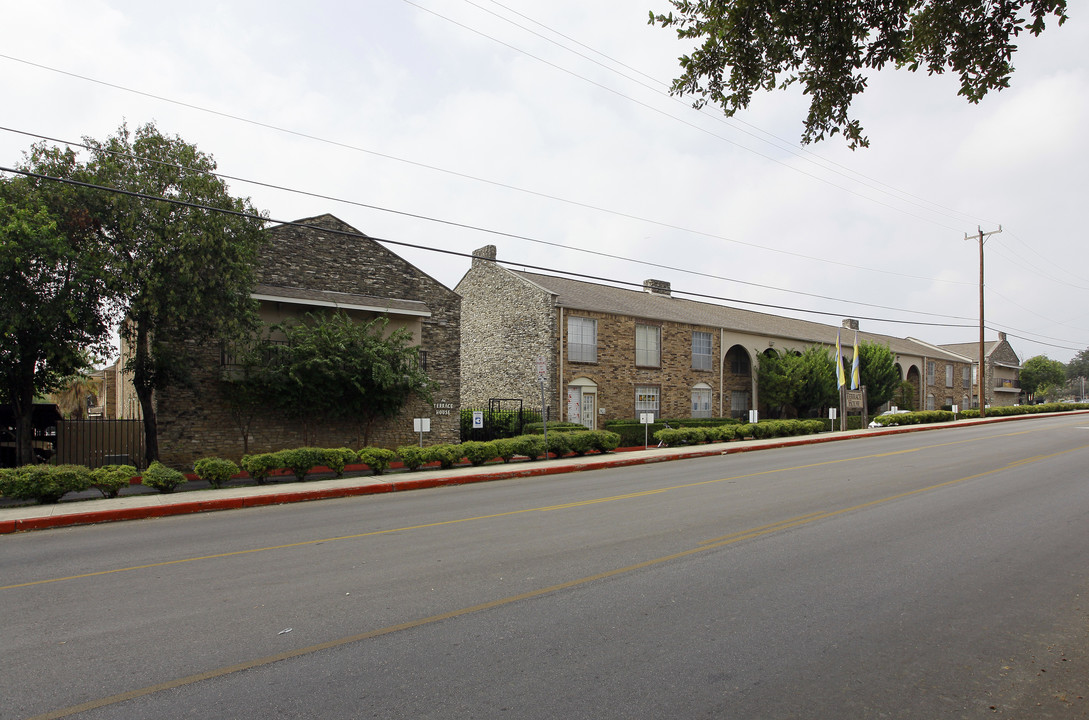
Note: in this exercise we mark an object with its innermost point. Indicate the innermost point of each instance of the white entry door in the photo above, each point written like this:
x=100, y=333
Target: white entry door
x=589, y=409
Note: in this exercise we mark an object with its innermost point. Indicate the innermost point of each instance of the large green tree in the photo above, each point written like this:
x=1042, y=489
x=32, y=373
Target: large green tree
x=186, y=269
x=1039, y=372
x=1078, y=367
x=332, y=366
x=54, y=291
x=877, y=372
x=746, y=46
x=805, y=382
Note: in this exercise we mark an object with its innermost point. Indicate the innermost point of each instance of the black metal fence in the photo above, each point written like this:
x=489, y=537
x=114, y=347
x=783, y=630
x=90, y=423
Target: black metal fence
x=95, y=443
x=497, y=422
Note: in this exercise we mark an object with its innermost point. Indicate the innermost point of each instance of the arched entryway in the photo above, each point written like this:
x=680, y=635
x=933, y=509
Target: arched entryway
x=737, y=382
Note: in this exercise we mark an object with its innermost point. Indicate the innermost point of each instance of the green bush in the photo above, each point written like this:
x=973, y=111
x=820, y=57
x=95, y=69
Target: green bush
x=302, y=460
x=447, y=456
x=377, y=459
x=259, y=466
x=921, y=417
x=505, y=448
x=337, y=458
x=162, y=478
x=580, y=443
x=724, y=433
x=539, y=428
x=110, y=479
x=45, y=483
x=604, y=440
x=215, y=471
x=532, y=446
x=557, y=442
x=478, y=453
x=412, y=456
x=670, y=437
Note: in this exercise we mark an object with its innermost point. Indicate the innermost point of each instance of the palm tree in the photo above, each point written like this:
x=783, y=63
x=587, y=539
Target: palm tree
x=80, y=392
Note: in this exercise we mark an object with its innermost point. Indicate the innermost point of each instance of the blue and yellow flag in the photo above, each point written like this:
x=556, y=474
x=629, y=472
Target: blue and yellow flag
x=840, y=380
x=855, y=382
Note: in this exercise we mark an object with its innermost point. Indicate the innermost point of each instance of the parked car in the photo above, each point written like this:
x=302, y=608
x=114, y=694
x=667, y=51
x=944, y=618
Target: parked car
x=876, y=424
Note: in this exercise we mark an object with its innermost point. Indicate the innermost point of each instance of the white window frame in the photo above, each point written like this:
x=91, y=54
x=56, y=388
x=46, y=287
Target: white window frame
x=648, y=399
x=648, y=345
x=581, y=339
x=703, y=345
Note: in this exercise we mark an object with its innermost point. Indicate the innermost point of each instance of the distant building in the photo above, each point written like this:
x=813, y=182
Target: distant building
x=1001, y=369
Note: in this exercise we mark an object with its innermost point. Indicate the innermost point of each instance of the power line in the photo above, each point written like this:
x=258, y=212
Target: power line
x=416, y=246
x=494, y=183
x=498, y=233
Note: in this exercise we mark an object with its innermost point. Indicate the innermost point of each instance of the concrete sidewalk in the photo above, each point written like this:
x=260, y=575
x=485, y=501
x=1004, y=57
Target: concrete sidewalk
x=149, y=505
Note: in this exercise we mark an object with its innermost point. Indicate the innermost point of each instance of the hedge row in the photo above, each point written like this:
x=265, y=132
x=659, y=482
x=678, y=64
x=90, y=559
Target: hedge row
x=1026, y=409
x=920, y=417
x=673, y=437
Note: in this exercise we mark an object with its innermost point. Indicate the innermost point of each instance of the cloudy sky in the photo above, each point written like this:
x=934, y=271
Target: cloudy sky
x=546, y=130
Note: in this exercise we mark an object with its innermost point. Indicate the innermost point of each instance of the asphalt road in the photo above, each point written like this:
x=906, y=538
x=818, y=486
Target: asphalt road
x=929, y=575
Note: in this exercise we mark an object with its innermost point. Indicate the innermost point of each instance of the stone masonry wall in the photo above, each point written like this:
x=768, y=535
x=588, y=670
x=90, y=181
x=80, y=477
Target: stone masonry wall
x=195, y=421
x=506, y=324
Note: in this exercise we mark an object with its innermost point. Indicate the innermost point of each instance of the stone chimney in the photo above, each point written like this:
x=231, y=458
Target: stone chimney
x=1001, y=336
x=657, y=287
x=850, y=324
x=484, y=254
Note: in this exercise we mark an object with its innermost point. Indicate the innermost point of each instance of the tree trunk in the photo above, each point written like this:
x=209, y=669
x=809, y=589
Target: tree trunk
x=24, y=424
x=145, y=389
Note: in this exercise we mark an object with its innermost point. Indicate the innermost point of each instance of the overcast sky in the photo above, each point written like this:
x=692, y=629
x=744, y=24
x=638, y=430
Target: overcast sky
x=546, y=130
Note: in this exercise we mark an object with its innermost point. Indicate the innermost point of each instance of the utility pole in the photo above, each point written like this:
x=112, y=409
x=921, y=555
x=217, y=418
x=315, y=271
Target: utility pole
x=982, y=396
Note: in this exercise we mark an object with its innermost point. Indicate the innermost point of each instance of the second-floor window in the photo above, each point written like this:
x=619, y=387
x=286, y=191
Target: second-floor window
x=648, y=345
x=581, y=339
x=701, y=351
x=966, y=376
x=930, y=373
x=949, y=376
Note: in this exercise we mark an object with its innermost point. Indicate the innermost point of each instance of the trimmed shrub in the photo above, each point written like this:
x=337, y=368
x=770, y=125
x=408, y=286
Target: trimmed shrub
x=532, y=446
x=162, y=478
x=505, y=448
x=45, y=483
x=447, y=456
x=557, y=442
x=671, y=437
x=412, y=456
x=605, y=441
x=580, y=443
x=301, y=460
x=110, y=479
x=539, y=428
x=337, y=458
x=377, y=459
x=216, y=471
x=478, y=453
x=724, y=433
x=260, y=465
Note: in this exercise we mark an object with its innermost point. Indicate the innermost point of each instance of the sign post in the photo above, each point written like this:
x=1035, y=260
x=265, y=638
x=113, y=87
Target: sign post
x=421, y=425
x=647, y=419
x=542, y=370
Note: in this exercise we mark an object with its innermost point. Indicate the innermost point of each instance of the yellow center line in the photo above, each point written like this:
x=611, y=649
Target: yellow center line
x=583, y=503
x=702, y=547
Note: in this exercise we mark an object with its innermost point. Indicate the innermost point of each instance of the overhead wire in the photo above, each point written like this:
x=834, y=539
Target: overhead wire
x=498, y=233
x=417, y=246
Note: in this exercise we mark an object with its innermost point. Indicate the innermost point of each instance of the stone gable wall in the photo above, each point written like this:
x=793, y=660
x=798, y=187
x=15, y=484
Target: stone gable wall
x=506, y=324
x=195, y=422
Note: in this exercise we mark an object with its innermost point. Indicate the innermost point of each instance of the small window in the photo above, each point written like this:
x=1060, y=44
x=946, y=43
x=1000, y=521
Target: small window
x=581, y=339
x=930, y=401
x=701, y=351
x=648, y=346
x=701, y=401
x=949, y=376
x=647, y=400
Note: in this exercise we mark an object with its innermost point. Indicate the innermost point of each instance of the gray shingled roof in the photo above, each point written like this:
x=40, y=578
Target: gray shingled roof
x=347, y=301
x=581, y=295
